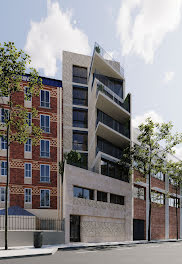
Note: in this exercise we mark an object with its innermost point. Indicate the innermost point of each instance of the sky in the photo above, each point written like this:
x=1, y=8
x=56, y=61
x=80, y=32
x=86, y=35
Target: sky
x=144, y=35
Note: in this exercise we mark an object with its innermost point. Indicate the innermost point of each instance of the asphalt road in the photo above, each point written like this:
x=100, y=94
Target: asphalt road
x=168, y=253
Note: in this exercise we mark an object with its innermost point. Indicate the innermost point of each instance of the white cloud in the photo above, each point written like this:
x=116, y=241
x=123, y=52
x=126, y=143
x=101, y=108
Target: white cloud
x=141, y=118
x=178, y=152
x=168, y=76
x=48, y=38
x=143, y=24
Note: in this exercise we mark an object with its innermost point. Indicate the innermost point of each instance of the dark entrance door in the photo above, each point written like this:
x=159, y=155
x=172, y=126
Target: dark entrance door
x=138, y=229
x=74, y=228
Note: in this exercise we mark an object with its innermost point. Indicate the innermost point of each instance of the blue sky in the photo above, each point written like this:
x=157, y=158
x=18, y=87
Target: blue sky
x=145, y=35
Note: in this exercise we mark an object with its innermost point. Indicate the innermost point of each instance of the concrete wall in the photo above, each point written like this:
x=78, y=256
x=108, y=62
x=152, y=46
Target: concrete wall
x=100, y=221
x=25, y=238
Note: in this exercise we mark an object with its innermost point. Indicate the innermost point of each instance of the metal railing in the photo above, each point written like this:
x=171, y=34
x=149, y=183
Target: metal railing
x=17, y=222
x=104, y=89
x=108, y=58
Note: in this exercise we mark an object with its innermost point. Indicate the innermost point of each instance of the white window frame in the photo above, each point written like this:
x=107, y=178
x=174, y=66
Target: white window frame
x=29, y=120
x=3, y=142
x=27, y=163
x=3, y=168
x=40, y=198
x=3, y=187
x=25, y=95
x=44, y=151
x=49, y=123
x=30, y=146
x=43, y=101
x=2, y=116
x=45, y=170
x=28, y=195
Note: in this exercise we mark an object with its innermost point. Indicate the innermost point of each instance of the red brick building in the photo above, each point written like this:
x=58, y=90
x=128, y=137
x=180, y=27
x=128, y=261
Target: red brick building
x=163, y=211
x=34, y=173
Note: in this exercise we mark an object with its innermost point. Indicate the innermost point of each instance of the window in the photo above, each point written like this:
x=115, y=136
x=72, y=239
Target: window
x=114, y=170
x=80, y=95
x=158, y=198
x=2, y=194
x=45, y=148
x=28, y=195
x=45, y=123
x=28, y=145
x=159, y=176
x=108, y=148
x=3, y=168
x=44, y=173
x=3, y=115
x=172, y=202
x=45, y=98
x=27, y=94
x=101, y=196
x=139, y=192
x=29, y=119
x=116, y=199
x=3, y=142
x=80, y=192
x=28, y=170
x=80, y=139
x=80, y=118
x=79, y=74
x=44, y=198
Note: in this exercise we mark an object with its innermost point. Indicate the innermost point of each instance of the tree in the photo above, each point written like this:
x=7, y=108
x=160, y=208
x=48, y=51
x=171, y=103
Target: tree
x=72, y=158
x=175, y=175
x=149, y=155
x=15, y=118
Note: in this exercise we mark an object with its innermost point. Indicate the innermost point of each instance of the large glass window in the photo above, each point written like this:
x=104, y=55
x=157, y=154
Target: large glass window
x=80, y=192
x=28, y=195
x=28, y=145
x=159, y=176
x=116, y=199
x=28, y=170
x=172, y=202
x=44, y=198
x=45, y=123
x=79, y=74
x=80, y=95
x=45, y=98
x=101, y=196
x=44, y=173
x=80, y=139
x=157, y=197
x=139, y=192
x=80, y=118
x=29, y=119
x=3, y=168
x=108, y=148
x=45, y=148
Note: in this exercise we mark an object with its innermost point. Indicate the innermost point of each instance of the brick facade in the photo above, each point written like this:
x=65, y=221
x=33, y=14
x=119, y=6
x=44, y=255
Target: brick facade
x=17, y=158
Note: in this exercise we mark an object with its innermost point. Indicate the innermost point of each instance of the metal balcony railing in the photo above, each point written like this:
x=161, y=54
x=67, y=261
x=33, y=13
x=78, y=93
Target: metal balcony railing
x=108, y=58
x=104, y=89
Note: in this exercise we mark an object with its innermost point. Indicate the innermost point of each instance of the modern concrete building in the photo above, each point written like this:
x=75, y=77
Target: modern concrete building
x=97, y=198
x=34, y=182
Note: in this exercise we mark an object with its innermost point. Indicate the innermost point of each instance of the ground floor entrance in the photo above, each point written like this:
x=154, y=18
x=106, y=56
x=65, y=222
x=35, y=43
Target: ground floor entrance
x=138, y=229
x=74, y=228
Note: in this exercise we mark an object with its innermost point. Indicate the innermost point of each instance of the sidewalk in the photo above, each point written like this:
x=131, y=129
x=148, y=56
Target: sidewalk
x=20, y=252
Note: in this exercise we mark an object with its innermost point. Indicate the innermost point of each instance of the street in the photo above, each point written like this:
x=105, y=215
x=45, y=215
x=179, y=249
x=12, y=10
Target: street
x=169, y=252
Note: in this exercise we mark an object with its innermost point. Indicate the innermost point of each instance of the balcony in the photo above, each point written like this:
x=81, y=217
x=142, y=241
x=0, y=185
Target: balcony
x=102, y=61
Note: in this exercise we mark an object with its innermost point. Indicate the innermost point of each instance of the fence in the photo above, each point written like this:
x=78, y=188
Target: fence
x=30, y=223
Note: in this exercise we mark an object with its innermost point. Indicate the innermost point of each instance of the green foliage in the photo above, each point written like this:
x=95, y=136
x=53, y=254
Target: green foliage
x=72, y=158
x=12, y=67
x=97, y=48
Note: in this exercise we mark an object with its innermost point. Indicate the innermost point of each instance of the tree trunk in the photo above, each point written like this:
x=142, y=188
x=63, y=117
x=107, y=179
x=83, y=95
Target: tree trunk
x=6, y=194
x=176, y=213
x=149, y=216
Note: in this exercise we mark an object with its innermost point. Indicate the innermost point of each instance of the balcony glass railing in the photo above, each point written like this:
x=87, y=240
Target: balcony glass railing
x=108, y=148
x=110, y=122
x=105, y=90
x=108, y=58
